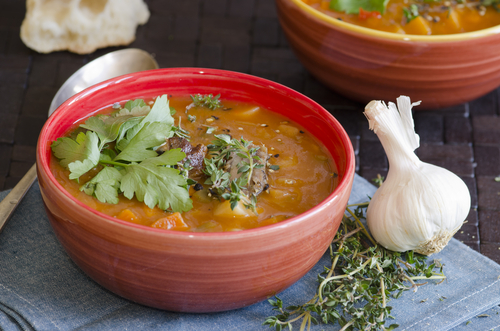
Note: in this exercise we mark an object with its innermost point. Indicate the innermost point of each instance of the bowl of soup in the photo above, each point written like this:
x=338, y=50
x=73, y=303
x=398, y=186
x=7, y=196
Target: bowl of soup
x=194, y=190
x=443, y=53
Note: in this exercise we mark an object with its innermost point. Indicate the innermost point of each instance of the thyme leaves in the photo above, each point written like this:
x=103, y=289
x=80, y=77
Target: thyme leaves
x=208, y=101
x=222, y=149
x=355, y=289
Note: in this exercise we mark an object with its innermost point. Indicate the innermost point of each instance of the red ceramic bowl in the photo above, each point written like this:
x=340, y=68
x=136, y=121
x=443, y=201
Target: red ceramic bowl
x=365, y=64
x=194, y=272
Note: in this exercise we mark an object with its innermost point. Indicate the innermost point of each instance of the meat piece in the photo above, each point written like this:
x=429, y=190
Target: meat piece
x=258, y=181
x=195, y=155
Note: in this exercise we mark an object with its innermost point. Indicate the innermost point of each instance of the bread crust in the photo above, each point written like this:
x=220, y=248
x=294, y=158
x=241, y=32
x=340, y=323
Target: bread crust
x=81, y=26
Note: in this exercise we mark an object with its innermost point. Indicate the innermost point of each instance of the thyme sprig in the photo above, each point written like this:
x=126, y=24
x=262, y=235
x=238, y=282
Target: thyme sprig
x=208, y=101
x=355, y=289
x=180, y=132
x=221, y=150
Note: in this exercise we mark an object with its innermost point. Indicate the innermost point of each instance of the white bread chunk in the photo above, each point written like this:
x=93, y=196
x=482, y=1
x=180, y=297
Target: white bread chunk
x=81, y=26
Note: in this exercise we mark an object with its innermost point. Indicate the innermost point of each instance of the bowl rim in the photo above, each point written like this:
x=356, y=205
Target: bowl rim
x=395, y=36
x=343, y=186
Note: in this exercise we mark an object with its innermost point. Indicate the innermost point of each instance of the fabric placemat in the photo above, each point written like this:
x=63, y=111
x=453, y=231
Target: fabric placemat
x=42, y=289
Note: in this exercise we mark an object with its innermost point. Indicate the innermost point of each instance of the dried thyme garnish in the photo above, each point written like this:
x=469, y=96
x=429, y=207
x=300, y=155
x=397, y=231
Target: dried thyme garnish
x=355, y=289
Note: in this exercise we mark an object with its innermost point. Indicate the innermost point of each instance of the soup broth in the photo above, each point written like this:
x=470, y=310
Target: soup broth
x=434, y=17
x=306, y=174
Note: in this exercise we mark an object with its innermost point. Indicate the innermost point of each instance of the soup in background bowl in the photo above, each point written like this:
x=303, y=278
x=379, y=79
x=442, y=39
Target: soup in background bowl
x=192, y=271
x=366, y=64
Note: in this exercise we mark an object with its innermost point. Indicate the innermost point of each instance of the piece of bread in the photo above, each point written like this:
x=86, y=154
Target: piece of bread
x=81, y=26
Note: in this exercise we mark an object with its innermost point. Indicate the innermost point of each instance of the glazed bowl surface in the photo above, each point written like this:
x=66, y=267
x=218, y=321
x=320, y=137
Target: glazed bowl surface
x=187, y=271
x=365, y=64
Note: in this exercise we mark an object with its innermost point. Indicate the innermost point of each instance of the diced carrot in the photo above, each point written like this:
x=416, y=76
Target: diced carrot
x=171, y=222
x=127, y=215
x=364, y=14
x=453, y=21
x=418, y=26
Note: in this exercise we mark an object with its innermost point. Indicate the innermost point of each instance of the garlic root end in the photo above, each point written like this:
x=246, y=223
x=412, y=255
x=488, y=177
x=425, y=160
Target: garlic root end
x=436, y=243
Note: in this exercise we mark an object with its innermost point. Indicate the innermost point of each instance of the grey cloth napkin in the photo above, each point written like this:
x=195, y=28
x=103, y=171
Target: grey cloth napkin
x=42, y=289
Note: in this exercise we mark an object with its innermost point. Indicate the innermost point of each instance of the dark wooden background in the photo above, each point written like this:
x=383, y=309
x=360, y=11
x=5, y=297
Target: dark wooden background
x=245, y=36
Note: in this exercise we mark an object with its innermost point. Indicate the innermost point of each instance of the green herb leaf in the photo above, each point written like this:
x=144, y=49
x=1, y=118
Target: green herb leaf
x=353, y=291
x=106, y=127
x=135, y=104
x=79, y=155
x=105, y=185
x=352, y=6
x=141, y=146
x=159, y=113
x=137, y=170
x=411, y=12
x=208, y=101
x=155, y=184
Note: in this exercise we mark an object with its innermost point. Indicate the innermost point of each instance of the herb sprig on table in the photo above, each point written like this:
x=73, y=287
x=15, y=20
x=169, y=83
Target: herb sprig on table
x=356, y=288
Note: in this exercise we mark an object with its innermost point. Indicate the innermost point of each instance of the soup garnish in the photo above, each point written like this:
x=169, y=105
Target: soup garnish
x=417, y=17
x=222, y=166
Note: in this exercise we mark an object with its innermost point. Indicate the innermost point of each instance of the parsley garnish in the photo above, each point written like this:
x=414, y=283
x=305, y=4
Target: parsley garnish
x=123, y=145
x=353, y=290
x=352, y=6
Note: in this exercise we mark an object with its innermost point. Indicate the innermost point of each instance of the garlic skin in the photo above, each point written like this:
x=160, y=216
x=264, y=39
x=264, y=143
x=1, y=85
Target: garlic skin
x=419, y=206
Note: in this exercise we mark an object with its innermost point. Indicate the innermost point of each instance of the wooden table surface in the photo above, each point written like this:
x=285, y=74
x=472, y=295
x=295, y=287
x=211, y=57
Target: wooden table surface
x=245, y=36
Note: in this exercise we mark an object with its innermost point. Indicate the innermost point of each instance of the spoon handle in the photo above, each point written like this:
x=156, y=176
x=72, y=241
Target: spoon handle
x=10, y=202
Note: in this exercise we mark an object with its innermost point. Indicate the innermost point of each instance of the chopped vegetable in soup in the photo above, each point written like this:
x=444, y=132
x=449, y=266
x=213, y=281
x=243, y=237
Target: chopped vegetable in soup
x=416, y=17
x=194, y=163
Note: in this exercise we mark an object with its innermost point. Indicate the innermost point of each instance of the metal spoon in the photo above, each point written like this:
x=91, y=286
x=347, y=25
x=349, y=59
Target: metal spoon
x=111, y=65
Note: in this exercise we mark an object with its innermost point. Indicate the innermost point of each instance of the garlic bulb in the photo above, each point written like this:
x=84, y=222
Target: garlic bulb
x=419, y=206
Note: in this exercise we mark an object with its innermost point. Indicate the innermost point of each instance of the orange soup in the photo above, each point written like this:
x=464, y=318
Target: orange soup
x=288, y=172
x=419, y=17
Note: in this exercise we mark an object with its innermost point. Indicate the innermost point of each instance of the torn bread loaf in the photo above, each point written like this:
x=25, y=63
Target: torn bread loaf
x=81, y=26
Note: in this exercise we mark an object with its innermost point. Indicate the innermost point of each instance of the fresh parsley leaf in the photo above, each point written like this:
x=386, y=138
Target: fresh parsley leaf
x=106, y=127
x=159, y=113
x=79, y=155
x=352, y=6
x=121, y=140
x=137, y=103
x=141, y=146
x=104, y=186
x=155, y=184
x=137, y=170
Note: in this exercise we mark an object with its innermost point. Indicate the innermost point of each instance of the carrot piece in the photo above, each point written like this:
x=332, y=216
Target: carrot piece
x=418, y=26
x=453, y=21
x=171, y=222
x=127, y=215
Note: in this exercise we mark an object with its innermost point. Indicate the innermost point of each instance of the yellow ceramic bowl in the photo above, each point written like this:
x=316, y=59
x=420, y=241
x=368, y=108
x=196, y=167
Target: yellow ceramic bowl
x=365, y=64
